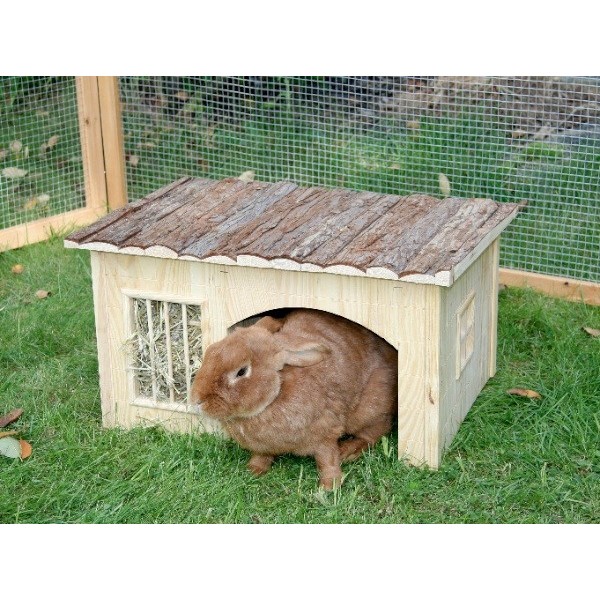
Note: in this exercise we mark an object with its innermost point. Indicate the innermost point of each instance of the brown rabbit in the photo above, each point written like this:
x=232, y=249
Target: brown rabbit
x=310, y=384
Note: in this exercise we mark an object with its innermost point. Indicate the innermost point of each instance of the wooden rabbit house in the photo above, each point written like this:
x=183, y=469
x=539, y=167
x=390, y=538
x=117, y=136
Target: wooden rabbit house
x=173, y=272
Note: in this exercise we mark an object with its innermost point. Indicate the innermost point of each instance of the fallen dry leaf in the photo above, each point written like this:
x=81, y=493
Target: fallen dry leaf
x=3, y=153
x=7, y=433
x=8, y=418
x=40, y=200
x=10, y=447
x=524, y=393
x=133, y=160
x=16, y=146
x=518, y=133
x=413, y=125
x=543, y=132
x=49, y=144
x=17, y=269
x=14, y=172
x=247, y=176
x=592, y=332
x=30, y=204
x=210, y=135
x=25, y=449
x=444, y=185
x=41, y=294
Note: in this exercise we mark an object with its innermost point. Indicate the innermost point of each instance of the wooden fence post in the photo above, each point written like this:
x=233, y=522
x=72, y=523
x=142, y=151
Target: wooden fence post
x=112, y=141
x=90, y=132
x=102, y=141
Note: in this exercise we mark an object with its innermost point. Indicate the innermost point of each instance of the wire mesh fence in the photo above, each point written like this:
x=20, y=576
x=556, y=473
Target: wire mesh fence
x=510, y=139
x=41, y=170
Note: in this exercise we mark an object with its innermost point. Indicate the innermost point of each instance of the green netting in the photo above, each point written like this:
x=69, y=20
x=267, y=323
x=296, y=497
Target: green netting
x=508, y=138
x=511, y=139
x=41, y=171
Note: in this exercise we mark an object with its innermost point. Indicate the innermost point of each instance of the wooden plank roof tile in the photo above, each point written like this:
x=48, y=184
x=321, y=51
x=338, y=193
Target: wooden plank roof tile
x=416, y=237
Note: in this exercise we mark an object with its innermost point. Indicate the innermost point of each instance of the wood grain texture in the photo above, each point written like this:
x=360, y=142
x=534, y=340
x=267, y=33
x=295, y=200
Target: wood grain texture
x=228, y=296
x=112, y=141
x=281, y=225
x=41, y=229
x=459, y=391
x=419, y=380
x=574, y=290
x=419, y=321
x=492, y=271
x=90, y=133
x=108, y=393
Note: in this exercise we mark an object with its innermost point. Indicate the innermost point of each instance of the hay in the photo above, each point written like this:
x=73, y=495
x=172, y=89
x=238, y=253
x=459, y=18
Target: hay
x=148, y=348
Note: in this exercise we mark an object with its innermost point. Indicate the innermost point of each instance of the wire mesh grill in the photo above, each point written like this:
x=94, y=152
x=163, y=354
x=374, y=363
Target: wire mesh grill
x=41, y=170
x=510, y=139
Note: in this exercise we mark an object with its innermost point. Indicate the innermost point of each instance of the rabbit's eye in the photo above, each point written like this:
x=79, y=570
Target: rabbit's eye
x=242, y=372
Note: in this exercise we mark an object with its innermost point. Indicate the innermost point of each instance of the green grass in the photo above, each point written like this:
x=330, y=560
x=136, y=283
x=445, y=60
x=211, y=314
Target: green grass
x=514, y=460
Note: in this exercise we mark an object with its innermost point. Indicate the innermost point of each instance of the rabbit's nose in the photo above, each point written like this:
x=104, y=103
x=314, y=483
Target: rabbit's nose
x=195, y=398
x=195, y=408
x=195, y=404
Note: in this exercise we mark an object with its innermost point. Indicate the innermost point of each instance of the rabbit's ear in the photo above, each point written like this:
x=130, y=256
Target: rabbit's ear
x=270, y=324
x=302, y=355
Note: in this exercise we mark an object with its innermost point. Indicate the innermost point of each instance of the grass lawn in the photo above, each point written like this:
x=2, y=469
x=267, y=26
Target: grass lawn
x=514, y=460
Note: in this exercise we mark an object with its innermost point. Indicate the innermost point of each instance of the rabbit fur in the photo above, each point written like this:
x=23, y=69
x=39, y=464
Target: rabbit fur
x=309, y=384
